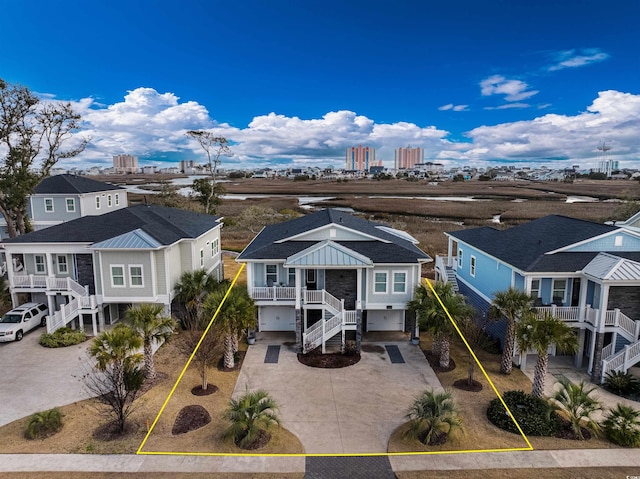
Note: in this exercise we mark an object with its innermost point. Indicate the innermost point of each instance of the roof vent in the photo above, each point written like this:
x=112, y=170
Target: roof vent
x=341, y=219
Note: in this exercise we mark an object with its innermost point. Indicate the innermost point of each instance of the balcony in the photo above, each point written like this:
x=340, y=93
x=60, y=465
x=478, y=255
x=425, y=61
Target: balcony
x=273, y=293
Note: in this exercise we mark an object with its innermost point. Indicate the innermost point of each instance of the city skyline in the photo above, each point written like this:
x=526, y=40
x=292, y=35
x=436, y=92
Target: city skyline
x=296, y=83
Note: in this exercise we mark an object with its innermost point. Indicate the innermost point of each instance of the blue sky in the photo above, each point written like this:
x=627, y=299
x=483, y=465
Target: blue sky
x=299, y=81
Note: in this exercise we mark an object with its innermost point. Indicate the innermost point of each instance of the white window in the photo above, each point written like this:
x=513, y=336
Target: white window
x=272, y=274
x=202, y=258
x=117, y=276
x=535, y=288
x=97, y=202
x=48, y=205
x=62, y=265
x=135, y=276
x=215, y=247
x=399, y=282
x=559, y=290
x=472, y=266
x=380, y=283
x=40, y=264
x=117, y=199
x=459, y=258
x=71, y=205
x=618, y=240
x=109, y=201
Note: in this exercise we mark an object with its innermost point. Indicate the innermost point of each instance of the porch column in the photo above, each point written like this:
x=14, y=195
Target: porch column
x=527, y=284
x=298, y=286
x=449, y=251
x=249, y=270
x=582, y=303
x=14, y=296
x=596, y=370
x=50, y=267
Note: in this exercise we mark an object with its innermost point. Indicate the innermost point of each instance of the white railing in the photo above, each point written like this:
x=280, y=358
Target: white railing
x=87, y=302
x=61, y=317
x=350, y=317
x=620, y=320
x=607, y=350
x=564, y=313
x=31, y=281
x=622, y=360
x=274, y=293
x=321, y=296
x=320, y=332
x=34, y=281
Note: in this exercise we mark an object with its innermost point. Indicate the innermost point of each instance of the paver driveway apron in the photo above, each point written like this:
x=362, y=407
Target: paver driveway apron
x=41, y=378
x=350, y=410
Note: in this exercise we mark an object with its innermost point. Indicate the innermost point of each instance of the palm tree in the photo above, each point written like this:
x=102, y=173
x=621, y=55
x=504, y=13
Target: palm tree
x=250, y=414
x=191, y=290
x=147, y=320
x=433, y=414
x=533, y=332
x=435, y=318
x=120, y=377
x=237, y=312
x=622, y=426
x=575, y=399
x=513, y=304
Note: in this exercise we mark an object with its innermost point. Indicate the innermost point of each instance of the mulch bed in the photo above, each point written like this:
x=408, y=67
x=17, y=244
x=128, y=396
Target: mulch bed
x=198, y=391
x=328, y=361
x=566, y=432
x=111, y=432
x=463, y=384
x=434, y=362
x=262, y=440
x=190, y=418
x=239, y=358
x=437, y=439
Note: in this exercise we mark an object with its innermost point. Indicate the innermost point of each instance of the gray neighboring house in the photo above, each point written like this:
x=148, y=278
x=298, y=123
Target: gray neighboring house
x=330, y=273
x=66, y=197
x=90, y=269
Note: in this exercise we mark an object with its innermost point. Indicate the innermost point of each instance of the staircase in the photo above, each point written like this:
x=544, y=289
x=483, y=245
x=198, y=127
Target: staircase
x=629, y=333
x=451, y=278
x=68, y=312
x=329, y=326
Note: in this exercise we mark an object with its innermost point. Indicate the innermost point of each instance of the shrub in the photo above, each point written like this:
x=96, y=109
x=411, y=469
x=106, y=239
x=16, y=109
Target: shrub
x=62, y=337
x=535, y=416
x=350, y=348
x=622, y=384
x=43, y=424
x=622, y=426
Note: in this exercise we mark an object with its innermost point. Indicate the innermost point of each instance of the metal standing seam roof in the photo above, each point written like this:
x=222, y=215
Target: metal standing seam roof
x=606, y=266
x=327, y=253
x=136, y=239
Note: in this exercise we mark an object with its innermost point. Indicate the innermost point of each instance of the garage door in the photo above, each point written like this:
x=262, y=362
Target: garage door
x=277, y=318
x=385, y=320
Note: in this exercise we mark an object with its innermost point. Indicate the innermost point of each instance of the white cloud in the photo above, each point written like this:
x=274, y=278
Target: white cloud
x=514, y=90
x=449, y=106
x=508, y=106
x=577, y=58
x=453, y=107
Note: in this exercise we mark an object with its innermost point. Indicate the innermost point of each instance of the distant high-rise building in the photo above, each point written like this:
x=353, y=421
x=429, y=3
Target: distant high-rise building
x=407, y=158
x=607, y=167
x=360, y=158
x=125, y=164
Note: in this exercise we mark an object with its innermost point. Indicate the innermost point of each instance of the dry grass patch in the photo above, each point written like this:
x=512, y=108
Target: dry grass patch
x=479, y=433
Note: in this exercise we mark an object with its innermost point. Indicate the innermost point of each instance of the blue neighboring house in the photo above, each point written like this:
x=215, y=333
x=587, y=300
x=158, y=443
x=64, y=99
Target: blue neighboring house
x=331, y=275
x=586, y=273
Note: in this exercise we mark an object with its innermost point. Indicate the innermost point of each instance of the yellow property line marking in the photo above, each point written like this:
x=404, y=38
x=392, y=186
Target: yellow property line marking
x=415, y=453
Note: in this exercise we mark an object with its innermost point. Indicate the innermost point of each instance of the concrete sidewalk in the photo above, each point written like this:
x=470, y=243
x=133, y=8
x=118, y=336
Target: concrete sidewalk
x=571, y=458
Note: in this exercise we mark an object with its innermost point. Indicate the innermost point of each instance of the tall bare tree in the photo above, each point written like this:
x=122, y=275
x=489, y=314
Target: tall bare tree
x=32, y=134
x=208, y=190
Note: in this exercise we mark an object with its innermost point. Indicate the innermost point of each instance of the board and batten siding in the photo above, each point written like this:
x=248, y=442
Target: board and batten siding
x=490, y=275
x=127, y=258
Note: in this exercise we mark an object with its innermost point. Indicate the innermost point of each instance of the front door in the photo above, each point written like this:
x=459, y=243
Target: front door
x=311, y=280
x=575, y=292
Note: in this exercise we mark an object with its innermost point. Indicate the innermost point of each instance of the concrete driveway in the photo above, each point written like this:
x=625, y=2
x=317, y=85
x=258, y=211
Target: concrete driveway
x=350, y=410
x=35, y=378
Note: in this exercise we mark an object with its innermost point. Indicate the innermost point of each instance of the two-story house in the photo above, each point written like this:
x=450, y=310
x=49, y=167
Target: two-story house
x=330, y=273
x=585, y=273
x=90, y=269
x=66, y=197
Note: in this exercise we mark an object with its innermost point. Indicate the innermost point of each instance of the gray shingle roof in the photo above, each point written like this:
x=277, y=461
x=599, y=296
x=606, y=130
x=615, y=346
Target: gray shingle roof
x=72, y=184
x=398, y=250
x=165, y=225
x=524, y=246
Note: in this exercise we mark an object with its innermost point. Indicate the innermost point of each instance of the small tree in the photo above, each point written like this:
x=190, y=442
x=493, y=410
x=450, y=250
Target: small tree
x=512, y=303
x=152, y=327
x=209, y=347
x=576, y=400
x=117, y=377
x=432, y=415
x=539, y=334
x=249, y=415
x=214, y=146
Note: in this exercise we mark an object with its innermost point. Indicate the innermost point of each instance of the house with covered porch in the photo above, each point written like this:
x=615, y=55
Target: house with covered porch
x=331, y=276
x=585, y=273
x=89, y=270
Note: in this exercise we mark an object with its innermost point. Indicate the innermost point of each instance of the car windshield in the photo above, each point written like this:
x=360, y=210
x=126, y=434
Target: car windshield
x=11, y=318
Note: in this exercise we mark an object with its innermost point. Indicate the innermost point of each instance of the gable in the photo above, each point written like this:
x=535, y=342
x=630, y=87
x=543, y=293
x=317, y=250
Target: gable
x=331, y=232
x=325, y=254
x=616, y=241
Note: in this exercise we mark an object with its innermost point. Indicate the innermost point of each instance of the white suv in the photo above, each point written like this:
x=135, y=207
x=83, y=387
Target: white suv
x=24, y=318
